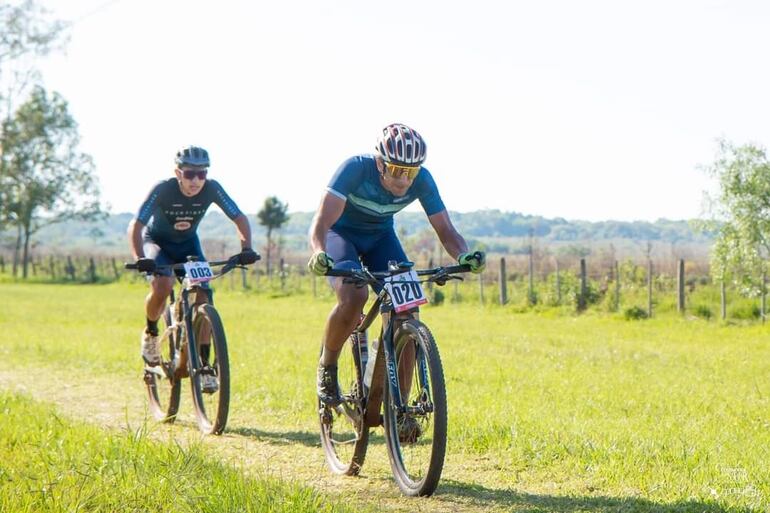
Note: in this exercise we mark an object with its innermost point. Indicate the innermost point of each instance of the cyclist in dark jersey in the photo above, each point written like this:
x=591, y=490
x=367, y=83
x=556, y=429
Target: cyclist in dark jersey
x=164, y=232
x=354, y=226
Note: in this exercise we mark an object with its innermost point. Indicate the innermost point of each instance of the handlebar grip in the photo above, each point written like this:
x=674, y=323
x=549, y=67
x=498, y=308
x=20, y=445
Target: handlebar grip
x=128, y=265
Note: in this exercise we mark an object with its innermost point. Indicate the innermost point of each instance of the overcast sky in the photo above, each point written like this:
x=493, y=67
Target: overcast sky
x=588, y=110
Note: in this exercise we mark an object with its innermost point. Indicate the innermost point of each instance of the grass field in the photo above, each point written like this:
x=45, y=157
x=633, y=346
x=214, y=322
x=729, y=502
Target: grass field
x=547, y=411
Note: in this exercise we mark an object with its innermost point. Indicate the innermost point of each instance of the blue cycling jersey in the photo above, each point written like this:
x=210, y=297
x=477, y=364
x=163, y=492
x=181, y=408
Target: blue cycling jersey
x=369, y=207
x=170, y=216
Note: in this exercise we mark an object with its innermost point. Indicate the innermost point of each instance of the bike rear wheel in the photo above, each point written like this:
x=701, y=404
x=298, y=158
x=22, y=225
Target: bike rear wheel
x=343, y=435
x=211, y=407
x=164, y=392
x=416, y=439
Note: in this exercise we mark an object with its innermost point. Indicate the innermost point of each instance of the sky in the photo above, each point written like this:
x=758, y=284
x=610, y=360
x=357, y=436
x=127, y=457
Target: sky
x=592, y=110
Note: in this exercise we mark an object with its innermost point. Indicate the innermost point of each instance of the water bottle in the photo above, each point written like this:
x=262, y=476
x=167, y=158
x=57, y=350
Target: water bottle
x=372, y=358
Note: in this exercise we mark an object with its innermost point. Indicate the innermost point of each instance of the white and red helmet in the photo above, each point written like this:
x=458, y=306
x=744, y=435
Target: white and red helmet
x=398, y=144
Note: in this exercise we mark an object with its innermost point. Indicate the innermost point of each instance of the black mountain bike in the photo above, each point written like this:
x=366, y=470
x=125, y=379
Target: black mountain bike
x=189, y=324
x=402, y=376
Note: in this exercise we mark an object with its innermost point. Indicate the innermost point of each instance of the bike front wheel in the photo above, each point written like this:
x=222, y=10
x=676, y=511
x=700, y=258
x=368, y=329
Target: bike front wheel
x=210, y=376
x=415, y=435
x=344, y=436
x=163, y=387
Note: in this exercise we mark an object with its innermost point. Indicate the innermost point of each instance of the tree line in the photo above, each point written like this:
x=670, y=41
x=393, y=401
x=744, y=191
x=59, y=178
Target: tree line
x=45, y=179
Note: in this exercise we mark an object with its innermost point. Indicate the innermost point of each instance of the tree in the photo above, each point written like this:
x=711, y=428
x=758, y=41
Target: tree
x=26, y=32
x=47, y=179
x=272, y=216
x=739, y=214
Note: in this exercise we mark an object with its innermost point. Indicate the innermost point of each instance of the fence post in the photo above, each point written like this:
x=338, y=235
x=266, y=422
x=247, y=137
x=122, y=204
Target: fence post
x=503, y=283
x=283, y=276
x=649, y=288
x=244, y=282
x=617, y=286
x=583, y=286
x=115, y=269
x=70, y=269
x=531, y=270
x=680, y=286
x=764, y=295
x=2, y=264
x=91, y=270
x=558, y=284
x=481, y=287
x=723, y=299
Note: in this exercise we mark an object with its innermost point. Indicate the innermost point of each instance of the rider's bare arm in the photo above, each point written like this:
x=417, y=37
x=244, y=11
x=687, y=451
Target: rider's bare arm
x=244, y=230
x=327, y=214
x=453, y=242
x=135, y=228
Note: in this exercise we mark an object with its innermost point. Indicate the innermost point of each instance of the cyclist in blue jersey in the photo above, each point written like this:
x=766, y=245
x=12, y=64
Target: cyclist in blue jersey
x=164, y=232
x=354, y=226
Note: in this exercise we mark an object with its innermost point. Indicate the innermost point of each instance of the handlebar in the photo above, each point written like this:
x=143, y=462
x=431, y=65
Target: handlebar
x=438, y=275
x=228, y=265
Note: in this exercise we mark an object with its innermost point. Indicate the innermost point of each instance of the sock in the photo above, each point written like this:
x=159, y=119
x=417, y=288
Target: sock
x=152, y=327
x=329, y=357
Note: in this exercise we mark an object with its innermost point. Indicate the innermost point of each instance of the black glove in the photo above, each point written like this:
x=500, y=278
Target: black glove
x=145, y=265
x=247, y=256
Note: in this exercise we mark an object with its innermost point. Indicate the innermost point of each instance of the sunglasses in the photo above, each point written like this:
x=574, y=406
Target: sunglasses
x=396, y=171
x=189, y=174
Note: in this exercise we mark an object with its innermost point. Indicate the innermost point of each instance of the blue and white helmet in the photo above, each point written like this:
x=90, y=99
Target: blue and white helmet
x=192, y=156
x=398, y=144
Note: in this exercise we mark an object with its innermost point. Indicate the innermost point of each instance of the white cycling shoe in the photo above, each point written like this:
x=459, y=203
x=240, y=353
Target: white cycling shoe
x=150, y=349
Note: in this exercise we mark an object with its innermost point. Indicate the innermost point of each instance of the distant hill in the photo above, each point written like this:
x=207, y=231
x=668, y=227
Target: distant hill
x=504, y=232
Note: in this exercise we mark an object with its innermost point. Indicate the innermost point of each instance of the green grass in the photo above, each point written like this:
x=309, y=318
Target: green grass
x=49, y=464
x=547, y=411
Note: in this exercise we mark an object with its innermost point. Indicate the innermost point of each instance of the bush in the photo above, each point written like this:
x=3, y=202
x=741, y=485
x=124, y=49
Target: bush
x=745, y=311
x=635, y=313
x=703, y=312
x=438, y=297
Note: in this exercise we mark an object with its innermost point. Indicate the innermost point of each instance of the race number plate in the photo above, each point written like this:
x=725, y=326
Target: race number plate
x=198, y=272
x=405, y=291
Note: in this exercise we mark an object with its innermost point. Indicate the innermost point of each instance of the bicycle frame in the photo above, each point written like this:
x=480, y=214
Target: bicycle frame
x=182, y=327
x=385, y=359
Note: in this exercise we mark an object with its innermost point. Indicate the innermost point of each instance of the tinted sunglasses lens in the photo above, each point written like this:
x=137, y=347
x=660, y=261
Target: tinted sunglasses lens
x=399, y=171
x=189, y=174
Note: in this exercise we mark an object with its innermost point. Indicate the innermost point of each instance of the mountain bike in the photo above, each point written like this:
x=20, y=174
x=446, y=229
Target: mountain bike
x=193, y=344
x=401, y=375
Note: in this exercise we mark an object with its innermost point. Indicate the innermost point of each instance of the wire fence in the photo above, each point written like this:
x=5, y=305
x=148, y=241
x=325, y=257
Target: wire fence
x=519, y=282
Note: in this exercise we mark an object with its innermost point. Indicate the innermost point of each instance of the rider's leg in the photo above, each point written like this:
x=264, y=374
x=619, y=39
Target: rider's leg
x=343, y=319
x=155, y=303
x=350, y=299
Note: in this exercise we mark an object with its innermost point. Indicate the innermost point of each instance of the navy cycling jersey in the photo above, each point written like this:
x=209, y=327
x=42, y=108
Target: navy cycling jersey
x=170, y=216
x=369, y=207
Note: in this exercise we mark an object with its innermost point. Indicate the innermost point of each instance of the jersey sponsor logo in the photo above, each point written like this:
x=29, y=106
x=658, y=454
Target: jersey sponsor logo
x=182, y=225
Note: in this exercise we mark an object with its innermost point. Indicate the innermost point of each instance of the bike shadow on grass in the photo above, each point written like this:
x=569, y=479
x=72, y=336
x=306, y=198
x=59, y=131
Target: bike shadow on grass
x=477, y=495
x=307, y=438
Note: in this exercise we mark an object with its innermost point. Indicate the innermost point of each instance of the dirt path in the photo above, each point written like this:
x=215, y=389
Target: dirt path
x=265, y=450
